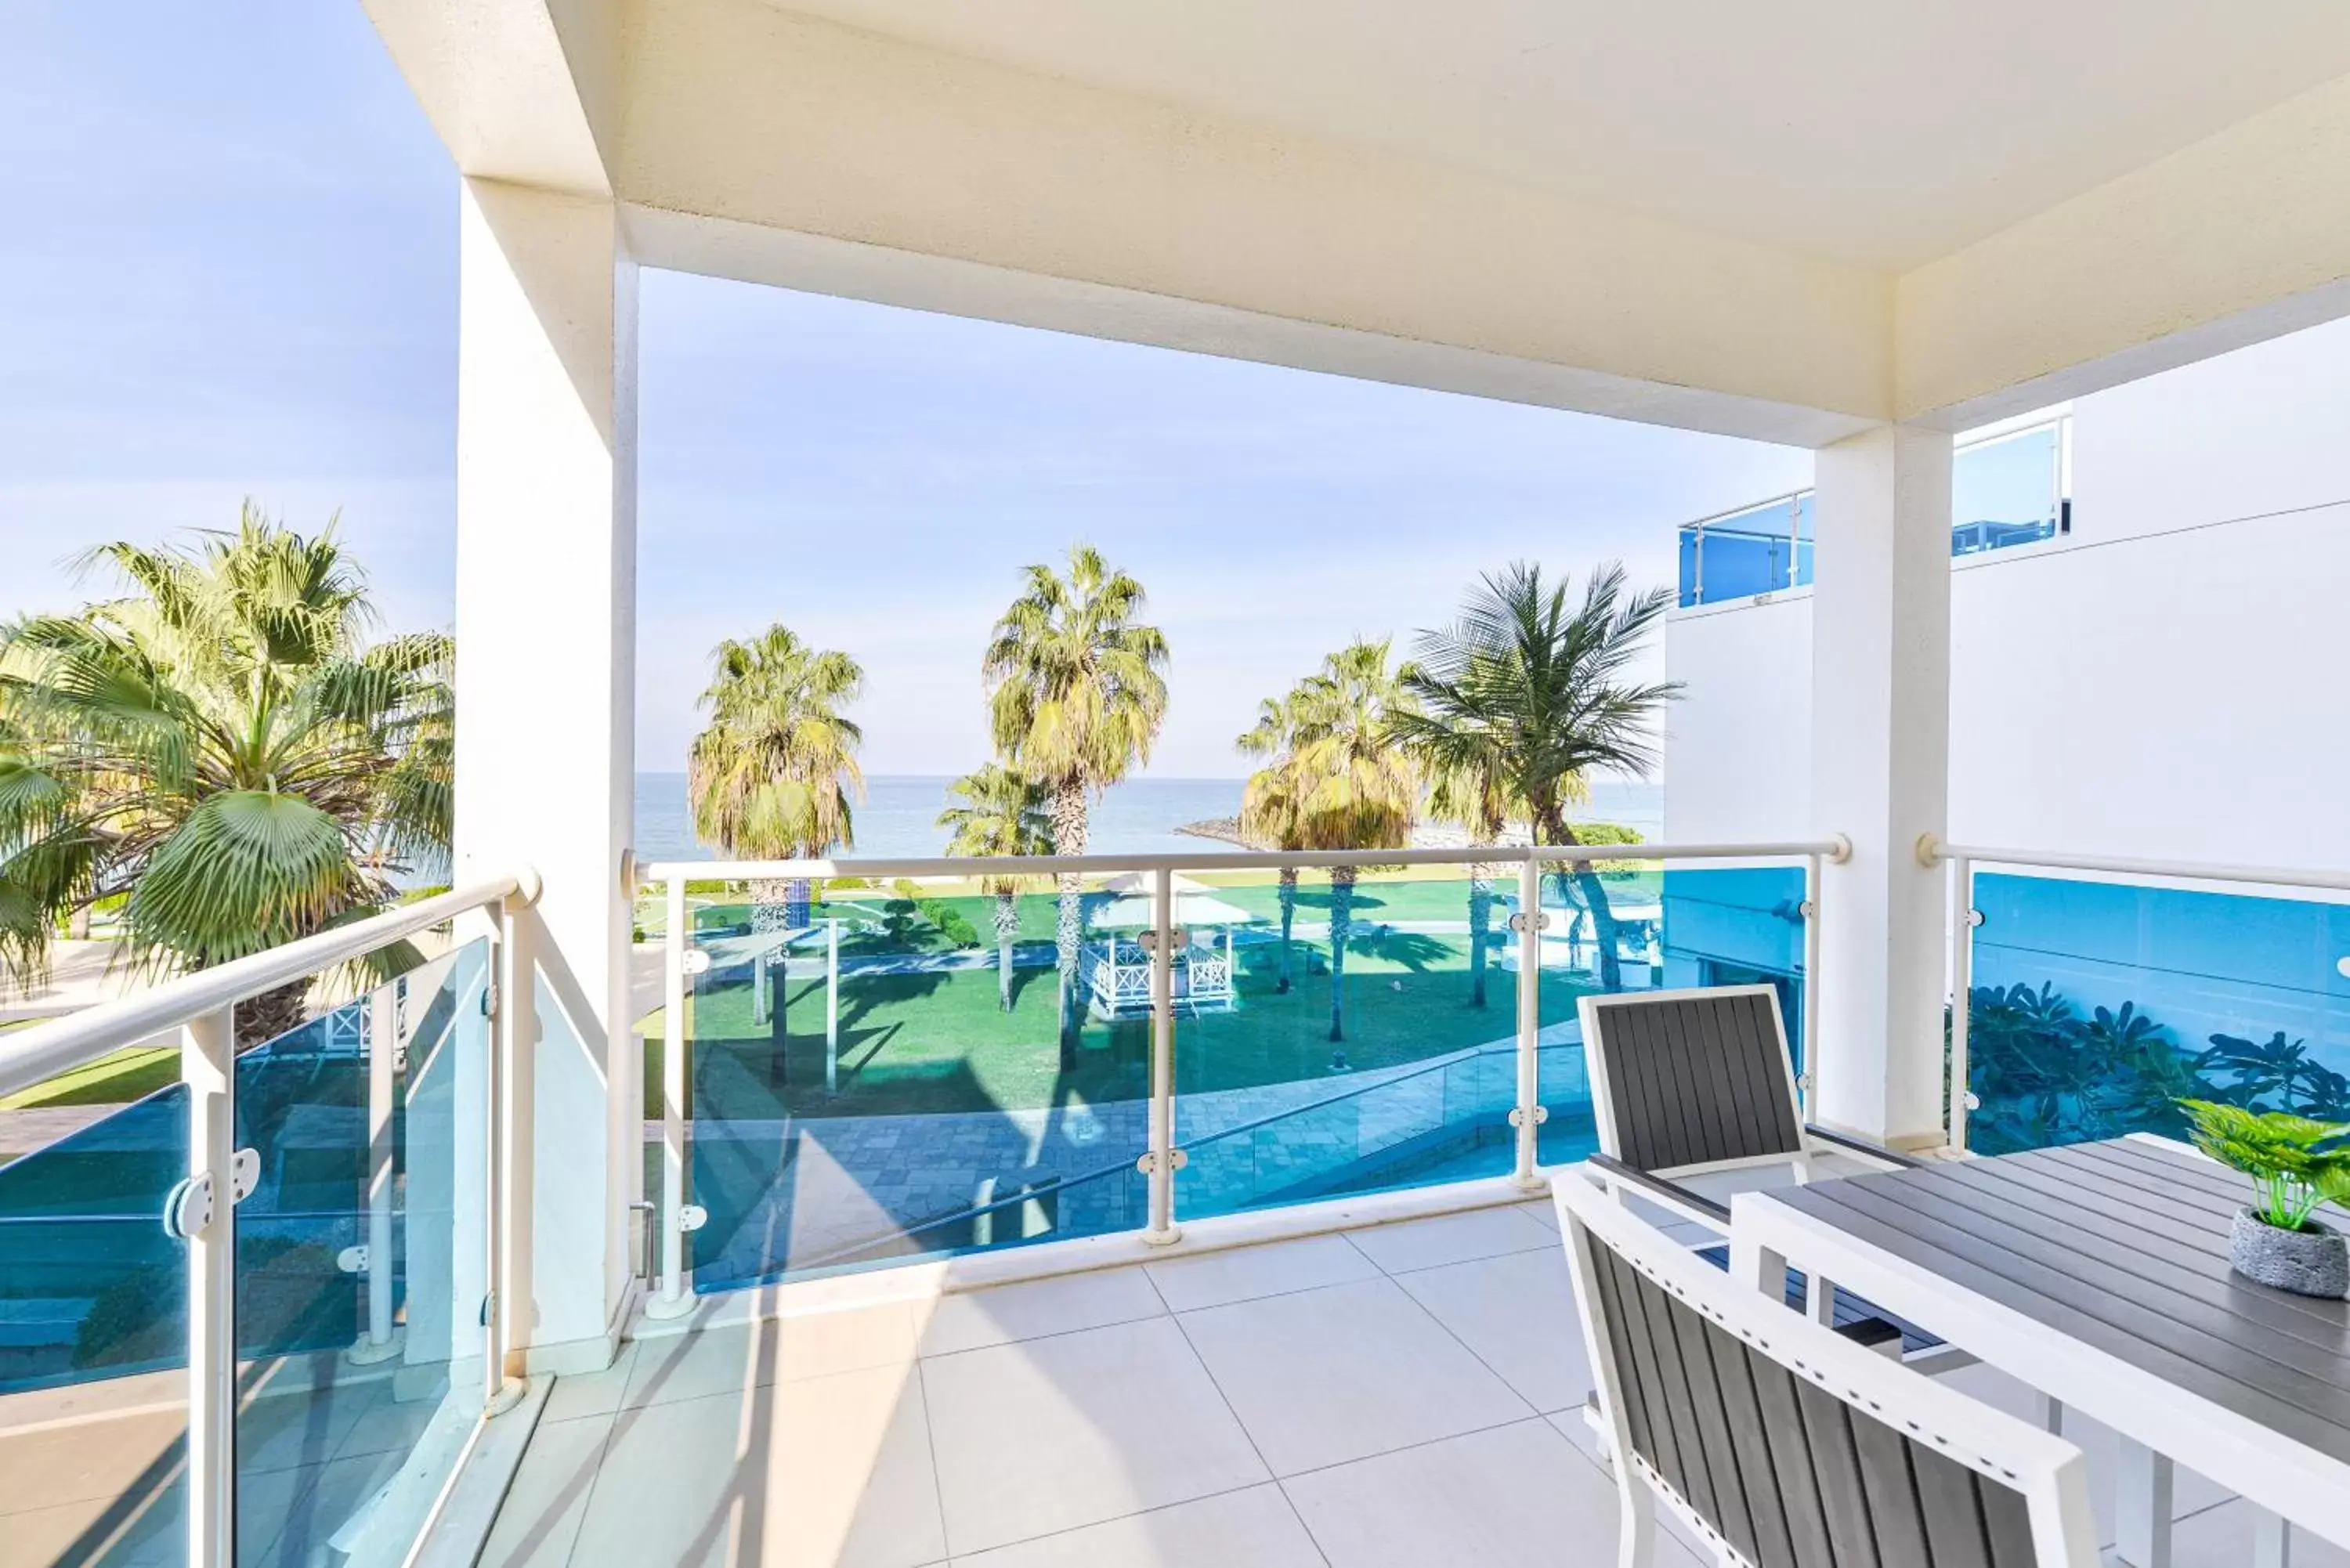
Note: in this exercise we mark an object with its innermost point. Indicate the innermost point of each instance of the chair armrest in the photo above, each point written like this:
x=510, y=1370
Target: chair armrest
x=1672, y=1195
x=1869, y=1151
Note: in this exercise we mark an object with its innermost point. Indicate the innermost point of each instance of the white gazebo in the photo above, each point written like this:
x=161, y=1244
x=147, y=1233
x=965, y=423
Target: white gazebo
x=1116, y=968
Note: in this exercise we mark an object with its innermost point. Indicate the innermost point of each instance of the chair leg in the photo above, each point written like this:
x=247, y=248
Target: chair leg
x=2052, y=1414
x=2142, y=1507
x=1637, y=1545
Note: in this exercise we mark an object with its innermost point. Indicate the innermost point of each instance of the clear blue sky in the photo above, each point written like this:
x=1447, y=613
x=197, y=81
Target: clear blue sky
x=230, y=271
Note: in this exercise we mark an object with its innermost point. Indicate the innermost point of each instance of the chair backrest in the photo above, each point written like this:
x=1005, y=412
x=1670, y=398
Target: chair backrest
x=1692, y=1079
x=1792, y=1446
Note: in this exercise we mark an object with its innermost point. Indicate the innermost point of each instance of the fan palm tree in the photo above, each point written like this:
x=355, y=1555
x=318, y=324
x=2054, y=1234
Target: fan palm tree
x=222, y=744
x=1356, y=786
x=1530, y=687
x=1079, y=689
x=1001, y=813
x=770, y=776
x=770, y=779
x=1269, y=804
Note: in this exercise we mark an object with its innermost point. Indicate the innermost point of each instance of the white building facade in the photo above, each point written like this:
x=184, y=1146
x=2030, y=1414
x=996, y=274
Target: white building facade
x=2161, y=680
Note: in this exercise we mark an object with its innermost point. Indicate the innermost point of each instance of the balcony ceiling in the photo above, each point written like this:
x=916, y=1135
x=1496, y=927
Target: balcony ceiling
x=1733, y=118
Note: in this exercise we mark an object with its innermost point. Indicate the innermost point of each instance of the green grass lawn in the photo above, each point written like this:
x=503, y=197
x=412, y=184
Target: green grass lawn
x=114, y=1080
x=940, y=1042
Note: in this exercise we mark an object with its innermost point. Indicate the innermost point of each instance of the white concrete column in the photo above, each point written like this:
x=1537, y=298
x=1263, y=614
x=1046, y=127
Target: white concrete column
x=1880, y=772
x=545, y=719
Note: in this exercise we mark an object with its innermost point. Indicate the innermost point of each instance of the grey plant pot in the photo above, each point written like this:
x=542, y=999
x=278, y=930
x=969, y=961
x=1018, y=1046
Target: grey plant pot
x=2312, y=1262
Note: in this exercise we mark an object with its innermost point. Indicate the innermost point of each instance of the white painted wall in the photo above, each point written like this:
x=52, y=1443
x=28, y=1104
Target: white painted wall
x=2167, y=682
x=546, y=719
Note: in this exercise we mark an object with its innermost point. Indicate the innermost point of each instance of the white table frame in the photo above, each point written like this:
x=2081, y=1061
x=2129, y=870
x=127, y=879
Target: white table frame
x=2282, y=1478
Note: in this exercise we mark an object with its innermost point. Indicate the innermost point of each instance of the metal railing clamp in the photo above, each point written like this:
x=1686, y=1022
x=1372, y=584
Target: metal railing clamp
x=189, y=1207
x=1518, y=922
x=692, y=1217
x=1148, y=1163
x=1518, y=1114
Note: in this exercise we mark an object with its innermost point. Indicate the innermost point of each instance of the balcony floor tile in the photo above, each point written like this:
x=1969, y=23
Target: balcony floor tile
x=1245, y=1273
x=1511, y=1497
x=1515, y=1313
x=1253, y=1528
x=974, y=1320
x=1345, y=1372
x=807, y=1474
x=1451, y=1238
x=1053, y=1434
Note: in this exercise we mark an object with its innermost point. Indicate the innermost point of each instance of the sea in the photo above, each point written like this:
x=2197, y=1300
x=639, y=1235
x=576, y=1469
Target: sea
x=899, y=818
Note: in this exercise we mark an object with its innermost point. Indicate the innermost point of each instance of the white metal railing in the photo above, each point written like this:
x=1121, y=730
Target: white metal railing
x=200, y=1210
x=1163, y=1158
x=1965, y=919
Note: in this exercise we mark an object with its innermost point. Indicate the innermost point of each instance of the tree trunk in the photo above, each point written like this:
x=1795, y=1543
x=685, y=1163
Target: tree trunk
x=1068, y=838
x=1007, y=926
x=261, y=1019
x=1288, y=918
x=1480, y=917
x=1595, y=900
x=1342, y=921
x=779, y=980
x=77, y=924
x=769, y=899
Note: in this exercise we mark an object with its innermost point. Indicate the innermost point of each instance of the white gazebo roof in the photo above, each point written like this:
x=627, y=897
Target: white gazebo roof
x=1195, y=904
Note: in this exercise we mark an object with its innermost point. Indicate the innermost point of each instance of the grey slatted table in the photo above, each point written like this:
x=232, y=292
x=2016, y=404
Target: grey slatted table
x=2097, y=1274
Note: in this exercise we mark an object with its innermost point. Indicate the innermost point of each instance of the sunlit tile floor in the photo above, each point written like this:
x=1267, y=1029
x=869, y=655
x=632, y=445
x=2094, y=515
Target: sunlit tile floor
x=1403, y=1396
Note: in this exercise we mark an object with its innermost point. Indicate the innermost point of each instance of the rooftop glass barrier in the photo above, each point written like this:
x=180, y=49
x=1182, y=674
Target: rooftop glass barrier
x=2008, y=489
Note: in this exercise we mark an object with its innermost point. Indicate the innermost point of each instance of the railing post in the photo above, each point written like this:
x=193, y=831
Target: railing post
x=1811, y=1019
x=208, y=1067
x=831, y=1004
x=1161, y=1159
x=1962, y=970
x=671, y=1301
x=383, y=1088
x=1529, y=1113
x=511, y=1068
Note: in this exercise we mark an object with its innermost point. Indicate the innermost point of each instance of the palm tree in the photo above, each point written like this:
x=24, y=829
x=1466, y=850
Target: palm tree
x=1079, y=691
x=224, y=744
x=1269, y=803
x=770, y=776
x=1356, y=786
x=770, y=779
x=1002, y=812
x=1529, y=687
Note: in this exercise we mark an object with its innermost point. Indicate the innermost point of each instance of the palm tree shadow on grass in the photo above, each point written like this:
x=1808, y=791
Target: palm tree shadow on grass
x=1415, y=950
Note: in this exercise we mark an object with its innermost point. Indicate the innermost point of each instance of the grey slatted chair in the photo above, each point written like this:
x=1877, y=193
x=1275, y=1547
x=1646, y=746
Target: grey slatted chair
x=1786, y=1446
x=1699, y=1083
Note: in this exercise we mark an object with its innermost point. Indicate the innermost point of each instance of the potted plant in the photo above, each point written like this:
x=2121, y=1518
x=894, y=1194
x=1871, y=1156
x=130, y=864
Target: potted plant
x=2295, y=1164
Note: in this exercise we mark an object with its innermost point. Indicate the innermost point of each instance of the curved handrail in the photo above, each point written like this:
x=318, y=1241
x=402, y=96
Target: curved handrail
x=34, y=1055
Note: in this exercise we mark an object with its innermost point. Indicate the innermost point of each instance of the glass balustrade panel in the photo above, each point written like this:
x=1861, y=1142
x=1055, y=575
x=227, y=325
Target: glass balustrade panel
x=1341, y=1031
x=362, y=1261
x=93, y=1314
x=2097, y=1005
x=886, y=1071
